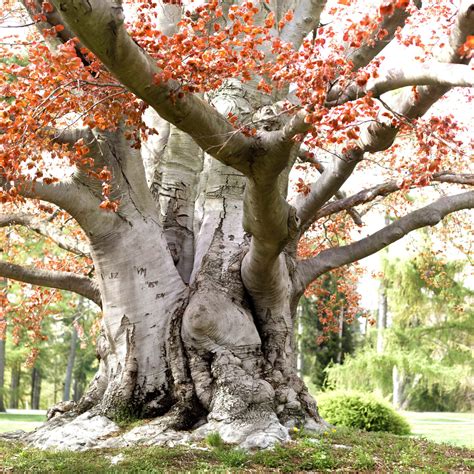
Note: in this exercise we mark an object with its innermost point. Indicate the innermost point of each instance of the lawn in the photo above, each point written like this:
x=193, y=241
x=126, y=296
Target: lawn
x=452, y=428
x=338, y=450
x=14, y=422
x=441, y=427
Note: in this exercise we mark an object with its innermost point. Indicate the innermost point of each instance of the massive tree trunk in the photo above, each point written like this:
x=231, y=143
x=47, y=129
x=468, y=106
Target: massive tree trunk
x=197, y=353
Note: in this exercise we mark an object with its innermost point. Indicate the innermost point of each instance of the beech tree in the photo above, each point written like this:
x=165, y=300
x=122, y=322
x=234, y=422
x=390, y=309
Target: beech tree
x=168, y=131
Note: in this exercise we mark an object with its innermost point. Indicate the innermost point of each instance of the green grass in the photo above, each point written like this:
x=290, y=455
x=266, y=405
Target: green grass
x=337, y=450
x=14, y=422
x=453, y=428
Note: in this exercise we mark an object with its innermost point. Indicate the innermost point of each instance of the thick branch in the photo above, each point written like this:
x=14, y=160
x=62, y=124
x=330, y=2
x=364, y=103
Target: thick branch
x=45, y=229
x=333, y=177
x=306, y=19
x=269, y=218
x=429, y=215
x=379, y=136
x=69, y=136
x=410, y=74
x=34, y=7
x=56, y=193
x=100, y=26
x=53, y=279
x=384, y=189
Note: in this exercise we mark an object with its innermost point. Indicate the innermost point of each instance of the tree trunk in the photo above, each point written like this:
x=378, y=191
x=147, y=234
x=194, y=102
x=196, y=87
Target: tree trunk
x=398, y=380
x=2, y=374
x=340, y=334
x=70, y=364
x=201, y=354
x=77, y=390
x=3, y=342
x=382, y=318
x=300, y=356
x=15, y=385
x=35, y=388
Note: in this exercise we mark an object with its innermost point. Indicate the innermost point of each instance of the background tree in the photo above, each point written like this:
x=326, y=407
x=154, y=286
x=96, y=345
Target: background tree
x=428, y=340
x=323, y=344
x=193, y=235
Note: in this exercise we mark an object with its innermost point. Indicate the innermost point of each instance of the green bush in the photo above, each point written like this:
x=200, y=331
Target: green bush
x=362, y=411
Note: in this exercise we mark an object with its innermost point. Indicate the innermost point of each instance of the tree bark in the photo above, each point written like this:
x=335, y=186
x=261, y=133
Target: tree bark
x=70, y=364
x=15, y=385
x=35, y=388
x=2, y=374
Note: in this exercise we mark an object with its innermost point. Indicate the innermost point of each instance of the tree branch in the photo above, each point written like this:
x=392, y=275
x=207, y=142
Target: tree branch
x=310, y=269
x=100, y=26
x=330, y=181
x=305, y=19
x=339, y=194
x=410, y=74
x=46, y=229
x=69, y=136
x=379, y=136
x=53, y=279
x=56, y=193
x=362, y=56
x=384, y=189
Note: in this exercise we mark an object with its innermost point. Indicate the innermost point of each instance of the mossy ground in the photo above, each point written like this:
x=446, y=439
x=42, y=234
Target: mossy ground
x=342, y=450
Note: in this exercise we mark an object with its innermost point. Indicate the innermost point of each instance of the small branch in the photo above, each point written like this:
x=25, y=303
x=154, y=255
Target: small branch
x=362, y=56
x=326, y=187
x=384, y=189
x=339, y=194
x=52, y=279
x=18, y=26
x=46, y=229
x=430, y=215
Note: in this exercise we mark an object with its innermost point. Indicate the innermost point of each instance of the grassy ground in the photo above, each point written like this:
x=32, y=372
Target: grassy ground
x=340, y=450
x=13, y=422
x=453, y=428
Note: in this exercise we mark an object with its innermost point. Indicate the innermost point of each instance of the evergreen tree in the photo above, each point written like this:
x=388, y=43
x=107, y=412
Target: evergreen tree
x=429, y=340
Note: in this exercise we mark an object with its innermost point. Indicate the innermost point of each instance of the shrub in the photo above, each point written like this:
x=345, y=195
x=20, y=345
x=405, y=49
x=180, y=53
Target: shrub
x=362, y=411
